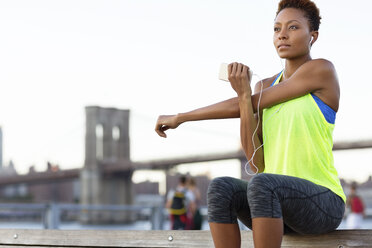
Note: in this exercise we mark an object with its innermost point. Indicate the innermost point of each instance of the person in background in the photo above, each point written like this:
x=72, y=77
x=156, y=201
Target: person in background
x=197, y=219
x=354, y=202
x=180, y=202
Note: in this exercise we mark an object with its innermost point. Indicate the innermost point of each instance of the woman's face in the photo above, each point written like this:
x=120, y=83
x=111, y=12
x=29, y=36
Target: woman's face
x=292, y=36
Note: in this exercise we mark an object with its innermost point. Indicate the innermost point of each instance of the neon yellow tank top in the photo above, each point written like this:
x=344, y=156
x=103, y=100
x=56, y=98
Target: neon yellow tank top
x=298, y=142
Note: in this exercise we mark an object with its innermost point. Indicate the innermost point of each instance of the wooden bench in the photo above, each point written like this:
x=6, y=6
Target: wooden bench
x=114, y=238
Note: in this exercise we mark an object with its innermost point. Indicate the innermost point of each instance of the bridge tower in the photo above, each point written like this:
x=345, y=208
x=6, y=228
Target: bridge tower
x=106, y=148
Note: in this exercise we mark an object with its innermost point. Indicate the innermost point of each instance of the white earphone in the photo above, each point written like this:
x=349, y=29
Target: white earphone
x=311, y=40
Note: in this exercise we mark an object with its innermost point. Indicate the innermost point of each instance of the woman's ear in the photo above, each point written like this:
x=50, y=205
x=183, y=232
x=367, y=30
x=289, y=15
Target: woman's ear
x=314, y=37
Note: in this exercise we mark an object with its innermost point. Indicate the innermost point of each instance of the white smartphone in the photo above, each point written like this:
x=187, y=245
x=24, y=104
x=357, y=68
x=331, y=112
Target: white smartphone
x=224, y=72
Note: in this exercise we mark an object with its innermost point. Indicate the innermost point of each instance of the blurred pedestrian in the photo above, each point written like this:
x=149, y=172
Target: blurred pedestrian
x=354, y=202
x=180, y=201
x=197, y=218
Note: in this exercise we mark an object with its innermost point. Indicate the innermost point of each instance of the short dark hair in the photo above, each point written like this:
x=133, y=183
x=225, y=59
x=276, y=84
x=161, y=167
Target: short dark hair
x=307, y=6
x=183, y=179
x=354, y=185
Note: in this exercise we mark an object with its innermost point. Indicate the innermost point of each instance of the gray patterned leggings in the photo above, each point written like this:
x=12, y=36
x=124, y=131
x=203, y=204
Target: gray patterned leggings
x=305, y=207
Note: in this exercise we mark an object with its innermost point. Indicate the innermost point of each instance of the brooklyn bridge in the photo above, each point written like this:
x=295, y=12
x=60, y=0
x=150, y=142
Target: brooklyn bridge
x=106, y=176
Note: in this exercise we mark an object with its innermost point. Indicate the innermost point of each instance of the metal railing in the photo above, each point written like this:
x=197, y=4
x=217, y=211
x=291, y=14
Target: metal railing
x=51, y=212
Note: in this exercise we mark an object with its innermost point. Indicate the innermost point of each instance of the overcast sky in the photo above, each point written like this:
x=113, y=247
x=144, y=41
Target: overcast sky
x=159, y=57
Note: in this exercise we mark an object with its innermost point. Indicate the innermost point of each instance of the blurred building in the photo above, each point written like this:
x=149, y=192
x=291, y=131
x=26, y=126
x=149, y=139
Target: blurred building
x=60, y=191
x=146, y=188
x=8, y=170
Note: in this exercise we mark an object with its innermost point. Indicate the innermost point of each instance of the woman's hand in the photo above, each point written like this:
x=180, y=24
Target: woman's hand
x=164, y=123
x=240, y=79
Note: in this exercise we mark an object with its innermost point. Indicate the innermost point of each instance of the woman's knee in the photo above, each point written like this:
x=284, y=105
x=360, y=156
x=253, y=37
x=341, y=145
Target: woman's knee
x=220, y=187
x=258, y=185
x=262, y=200
x=225, y=196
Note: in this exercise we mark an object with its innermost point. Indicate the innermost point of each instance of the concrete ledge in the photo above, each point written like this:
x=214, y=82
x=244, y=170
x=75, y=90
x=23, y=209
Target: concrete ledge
x=113, y=238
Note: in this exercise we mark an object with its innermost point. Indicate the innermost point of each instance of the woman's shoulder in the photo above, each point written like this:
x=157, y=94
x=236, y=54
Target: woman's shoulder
x=321, y=61
x=265, y=83
x=319, y=66
x=321, y=70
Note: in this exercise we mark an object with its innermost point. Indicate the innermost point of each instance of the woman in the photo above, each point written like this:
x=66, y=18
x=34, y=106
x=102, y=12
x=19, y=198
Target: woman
x=297, y=187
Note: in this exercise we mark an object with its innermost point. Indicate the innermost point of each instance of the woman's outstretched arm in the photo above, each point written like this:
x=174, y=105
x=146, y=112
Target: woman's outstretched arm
x=221, y=110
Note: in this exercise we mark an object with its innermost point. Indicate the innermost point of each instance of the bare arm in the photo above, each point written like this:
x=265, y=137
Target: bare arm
x=315, y=76
x=239, y=79
x=221, y=110
x=168, y=204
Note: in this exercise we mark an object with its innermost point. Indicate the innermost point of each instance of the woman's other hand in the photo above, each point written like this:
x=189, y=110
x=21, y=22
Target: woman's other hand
x=239, y=78
x=164, y=123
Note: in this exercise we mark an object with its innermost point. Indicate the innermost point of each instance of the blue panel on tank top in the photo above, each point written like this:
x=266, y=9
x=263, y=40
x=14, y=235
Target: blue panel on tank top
x=328, y=113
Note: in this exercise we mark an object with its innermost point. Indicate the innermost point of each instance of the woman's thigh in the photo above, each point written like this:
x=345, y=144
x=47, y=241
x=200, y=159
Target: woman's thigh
x=304, y=206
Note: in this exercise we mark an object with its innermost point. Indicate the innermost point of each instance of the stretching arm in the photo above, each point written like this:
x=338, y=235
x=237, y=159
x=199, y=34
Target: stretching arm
x=221, y=110
x=317, y=76
x=239, y=79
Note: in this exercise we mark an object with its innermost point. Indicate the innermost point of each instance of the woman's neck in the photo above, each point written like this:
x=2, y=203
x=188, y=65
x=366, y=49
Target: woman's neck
x=291, y=65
